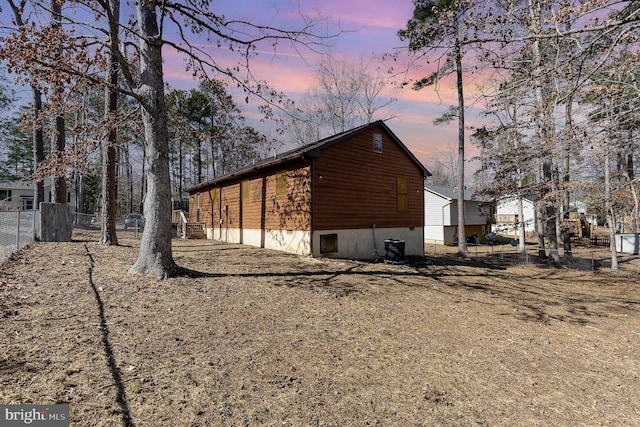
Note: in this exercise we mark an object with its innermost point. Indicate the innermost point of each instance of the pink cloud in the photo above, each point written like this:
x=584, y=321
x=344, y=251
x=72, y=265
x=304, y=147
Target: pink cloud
x=359, y=14
x=374, y=24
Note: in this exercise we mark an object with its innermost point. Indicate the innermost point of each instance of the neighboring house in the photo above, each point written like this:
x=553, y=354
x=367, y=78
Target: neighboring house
x=15, y=195
x=507, y=217
x=441, y=215
x=341, y=197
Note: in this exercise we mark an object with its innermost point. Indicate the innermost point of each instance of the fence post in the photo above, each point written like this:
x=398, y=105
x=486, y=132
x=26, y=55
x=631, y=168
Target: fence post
x=33, y=226
x=18, y=233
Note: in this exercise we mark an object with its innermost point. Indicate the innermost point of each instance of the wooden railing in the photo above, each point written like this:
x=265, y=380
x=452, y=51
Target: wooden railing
x=195, y=230
x=179, y=221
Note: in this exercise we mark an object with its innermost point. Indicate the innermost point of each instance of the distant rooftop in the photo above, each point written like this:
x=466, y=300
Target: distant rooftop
x=452, y=193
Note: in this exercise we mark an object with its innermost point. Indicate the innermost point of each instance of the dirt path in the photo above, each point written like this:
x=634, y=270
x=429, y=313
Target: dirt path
x=266, y=338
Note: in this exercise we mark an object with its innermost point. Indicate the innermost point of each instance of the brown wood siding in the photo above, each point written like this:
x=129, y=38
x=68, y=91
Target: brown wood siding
x=205, y=209
x=230, y=197
x=354, y=187
x=252, y=205
x=290, y=211
x=214, y=206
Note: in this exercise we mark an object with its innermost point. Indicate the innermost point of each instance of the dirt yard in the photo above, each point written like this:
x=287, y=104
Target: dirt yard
x=266, y=338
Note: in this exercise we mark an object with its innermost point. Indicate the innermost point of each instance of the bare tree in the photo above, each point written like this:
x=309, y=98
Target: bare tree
x=108, y=234
x=155, y=255
x=439, y=26
x=36, y=112
x=344, y=95
x=145, y=84
x=443, y=168
x=504, y=154
x=59, y=183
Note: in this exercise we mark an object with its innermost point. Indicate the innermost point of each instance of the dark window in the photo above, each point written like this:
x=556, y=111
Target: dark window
x=27, y=203
x=377, y=143
x=328, y=243
x=197, y=207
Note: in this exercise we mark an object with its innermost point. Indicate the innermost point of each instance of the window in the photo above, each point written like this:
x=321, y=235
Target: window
x=5, y=194
x=244, y=190
x=197, y=207
x=403, y=194
x=281, y=183
x=377, y=143
x=26, y=203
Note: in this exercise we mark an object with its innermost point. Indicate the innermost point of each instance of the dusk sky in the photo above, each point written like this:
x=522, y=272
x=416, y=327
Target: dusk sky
x=370, y=29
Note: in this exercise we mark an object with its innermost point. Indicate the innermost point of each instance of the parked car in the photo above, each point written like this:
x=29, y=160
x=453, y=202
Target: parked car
x=132, y=220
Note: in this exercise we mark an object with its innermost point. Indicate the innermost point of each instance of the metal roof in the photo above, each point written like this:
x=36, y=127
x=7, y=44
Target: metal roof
x=452, y=193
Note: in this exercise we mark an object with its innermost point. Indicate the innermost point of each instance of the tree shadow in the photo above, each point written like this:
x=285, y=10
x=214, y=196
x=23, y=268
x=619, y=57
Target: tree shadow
x=121, y=397
x=544, y=294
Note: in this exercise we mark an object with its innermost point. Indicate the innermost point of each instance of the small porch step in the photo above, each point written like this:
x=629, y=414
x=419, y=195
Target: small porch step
x=195, y=230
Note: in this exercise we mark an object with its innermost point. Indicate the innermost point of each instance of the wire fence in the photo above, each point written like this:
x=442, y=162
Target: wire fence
x=586, y=254
x=85, y=221
x=17, y=229
x=20, y=228
x=496, y=251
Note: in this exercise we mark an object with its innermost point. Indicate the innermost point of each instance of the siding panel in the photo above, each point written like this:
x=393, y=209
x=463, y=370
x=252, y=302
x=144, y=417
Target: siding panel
x=230, y=207
x=354, y=187
x=291, y=211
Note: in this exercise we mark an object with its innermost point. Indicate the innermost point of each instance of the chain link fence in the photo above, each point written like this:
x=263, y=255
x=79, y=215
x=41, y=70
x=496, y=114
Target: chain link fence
x=17, y=229
x=20, y=228
x=85, y=221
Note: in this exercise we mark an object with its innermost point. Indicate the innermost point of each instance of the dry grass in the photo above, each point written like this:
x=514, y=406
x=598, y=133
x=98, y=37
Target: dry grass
x=266, y=338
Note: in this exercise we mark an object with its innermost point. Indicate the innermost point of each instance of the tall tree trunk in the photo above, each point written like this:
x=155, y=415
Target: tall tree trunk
x=59, y=182
x=198, y=147
x=566, y=152
x=540, y=131
x=38, y=146
x=180, y=177
x=143, y=181
x=155, y=256
x=628, y=174
x=611, y=219
x=539, y=217
x=462, y=235
x=108, y=234
x=519, y=173
x=521, y=227
x=566, y=177
x=551, y=177
x=551, y=217
x=129, y=176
